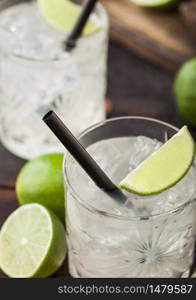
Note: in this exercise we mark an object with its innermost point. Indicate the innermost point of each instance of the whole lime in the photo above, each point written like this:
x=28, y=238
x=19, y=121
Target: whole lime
x=41, y=181
x=157, y=4
x=185, y=91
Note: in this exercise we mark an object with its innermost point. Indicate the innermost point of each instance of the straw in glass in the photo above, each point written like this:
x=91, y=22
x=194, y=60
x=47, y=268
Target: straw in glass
x=78, y=152
x=80, y=24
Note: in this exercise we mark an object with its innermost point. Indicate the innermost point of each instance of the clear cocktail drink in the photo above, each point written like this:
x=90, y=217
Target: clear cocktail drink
x=151, y=236
x=37, y=75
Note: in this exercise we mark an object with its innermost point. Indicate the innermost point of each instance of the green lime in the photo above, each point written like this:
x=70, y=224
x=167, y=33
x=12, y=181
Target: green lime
x=63, y=14
x=164, y=168
x=157, y=4
x=41, y=181
x=185, y=91
x=32, y=243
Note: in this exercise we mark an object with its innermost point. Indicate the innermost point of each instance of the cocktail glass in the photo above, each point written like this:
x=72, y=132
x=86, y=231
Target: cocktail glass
x=37, y=75
x=145, y=236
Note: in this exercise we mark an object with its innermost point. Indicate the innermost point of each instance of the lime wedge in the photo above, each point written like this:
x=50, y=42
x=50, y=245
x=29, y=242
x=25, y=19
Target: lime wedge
x=157, y=4
x=164, y=168
x=32, y=243
x=63, y=14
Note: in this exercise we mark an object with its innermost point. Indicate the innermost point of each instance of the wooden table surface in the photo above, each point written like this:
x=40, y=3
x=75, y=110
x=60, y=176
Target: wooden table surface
x=134, y=87
x=162, y=38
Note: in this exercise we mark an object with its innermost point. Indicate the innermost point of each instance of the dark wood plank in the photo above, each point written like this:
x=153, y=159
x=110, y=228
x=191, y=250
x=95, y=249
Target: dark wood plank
x=8, y=204
x=10, y=166
x=159, y=37
x=137, y=88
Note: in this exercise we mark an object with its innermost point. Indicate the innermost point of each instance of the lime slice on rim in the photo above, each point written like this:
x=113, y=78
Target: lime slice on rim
x=164, y=168
x=63, y=14
x=32, y=243
x=157, y=4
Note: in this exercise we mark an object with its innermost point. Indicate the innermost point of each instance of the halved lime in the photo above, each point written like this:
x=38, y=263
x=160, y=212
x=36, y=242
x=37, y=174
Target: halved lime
x=157, y=4
x=32, y=243
x=63, y=14
x=164, y=168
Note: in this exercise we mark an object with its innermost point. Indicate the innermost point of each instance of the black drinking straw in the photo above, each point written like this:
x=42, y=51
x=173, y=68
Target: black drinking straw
x=78, y=152
x=80, y=24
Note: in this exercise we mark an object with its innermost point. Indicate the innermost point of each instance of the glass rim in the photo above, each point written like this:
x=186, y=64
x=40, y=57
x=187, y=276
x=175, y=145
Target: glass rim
x=90, y=207
x=57, y=60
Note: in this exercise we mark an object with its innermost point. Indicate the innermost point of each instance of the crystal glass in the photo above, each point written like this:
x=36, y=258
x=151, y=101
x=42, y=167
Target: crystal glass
x=37, y=75
x=150, y=236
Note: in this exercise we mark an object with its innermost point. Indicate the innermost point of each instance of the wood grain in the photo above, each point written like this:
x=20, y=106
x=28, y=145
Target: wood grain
x=8, y=204
x=10, y=166
x=159, y=37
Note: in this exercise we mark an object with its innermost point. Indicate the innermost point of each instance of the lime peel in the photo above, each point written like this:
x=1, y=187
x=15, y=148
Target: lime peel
x=164, y=168
x=157, y=4
x=41, y=181
x=185, y=91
